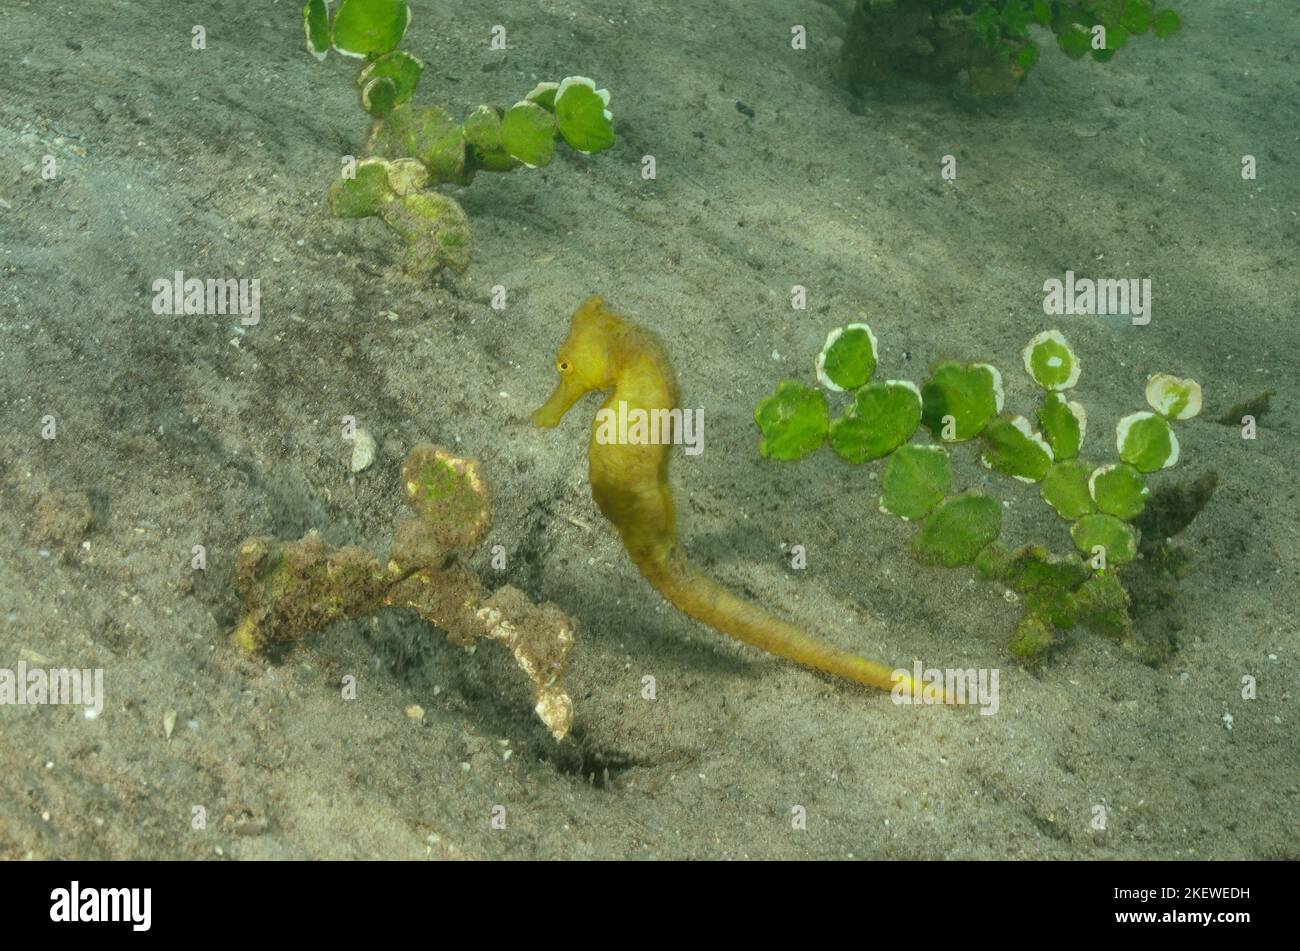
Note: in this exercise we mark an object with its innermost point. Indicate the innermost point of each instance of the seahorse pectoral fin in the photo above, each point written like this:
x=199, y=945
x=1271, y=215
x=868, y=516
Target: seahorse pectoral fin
x=567, y=392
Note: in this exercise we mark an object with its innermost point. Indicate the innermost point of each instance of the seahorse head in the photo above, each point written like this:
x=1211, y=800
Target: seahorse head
x=585, y=362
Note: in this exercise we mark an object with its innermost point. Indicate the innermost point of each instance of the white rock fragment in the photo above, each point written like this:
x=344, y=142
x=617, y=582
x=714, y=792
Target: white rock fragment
x=363, y=450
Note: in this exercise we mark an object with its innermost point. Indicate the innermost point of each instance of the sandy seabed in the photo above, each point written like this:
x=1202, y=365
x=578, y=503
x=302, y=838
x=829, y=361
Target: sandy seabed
x=187, y=431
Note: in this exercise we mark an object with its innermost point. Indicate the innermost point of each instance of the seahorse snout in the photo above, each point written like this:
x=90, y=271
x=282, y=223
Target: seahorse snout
x=567, y=392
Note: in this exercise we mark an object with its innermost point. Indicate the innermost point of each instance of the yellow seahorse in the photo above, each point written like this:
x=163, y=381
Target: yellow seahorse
x=629, y=482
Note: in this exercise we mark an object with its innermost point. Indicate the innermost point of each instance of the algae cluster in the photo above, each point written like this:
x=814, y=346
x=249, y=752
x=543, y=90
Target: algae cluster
x=990, y=41
x=1103, y=503
x=413, y=148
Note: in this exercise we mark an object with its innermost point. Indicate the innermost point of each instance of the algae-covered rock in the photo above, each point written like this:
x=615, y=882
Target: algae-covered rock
x=1047, y=583
x=407, y=176
x=446, y=491
x=1103, y=606
x=1032, y=636
x=916, y=479
x=426, y=133
x=993, y=561
x=364, y=194
x=290, y=588
x=436, y=231
x=957, y=530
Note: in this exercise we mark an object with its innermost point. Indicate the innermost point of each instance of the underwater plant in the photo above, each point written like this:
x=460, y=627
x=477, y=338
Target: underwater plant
x=289, y=589
x=938, y=40
x=963, y=402
x=413, y=148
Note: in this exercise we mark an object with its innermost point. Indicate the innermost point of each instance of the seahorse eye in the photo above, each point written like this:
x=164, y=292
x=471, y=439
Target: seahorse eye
x=564, y=366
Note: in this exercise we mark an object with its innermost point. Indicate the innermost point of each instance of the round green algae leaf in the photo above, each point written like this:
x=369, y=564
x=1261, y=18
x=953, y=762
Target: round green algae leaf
x=1166, y=23
x=1172, y=397
x=582, y=115
x=363, y=195
x=1075, y=40
x=1013, y=448
x=847, y=358
x=971, y=395
x=528, y=133
x=379, y=96
x=370, y=27
x=916, y=480
x=881, y=418
x=316, y=27
x=1065, y=488
x=399, y=66
x=955, y=532
x=1119, y=490
x=1063, y=424
x=544, y=95
x=1146, y=442
x=1137, y=15
x=1100, y=530
x=482, y=132
x=794, y=421
x=1050, y=361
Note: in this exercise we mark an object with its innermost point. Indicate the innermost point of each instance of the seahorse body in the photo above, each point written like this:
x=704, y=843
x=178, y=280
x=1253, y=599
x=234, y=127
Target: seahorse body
x=629, y=482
